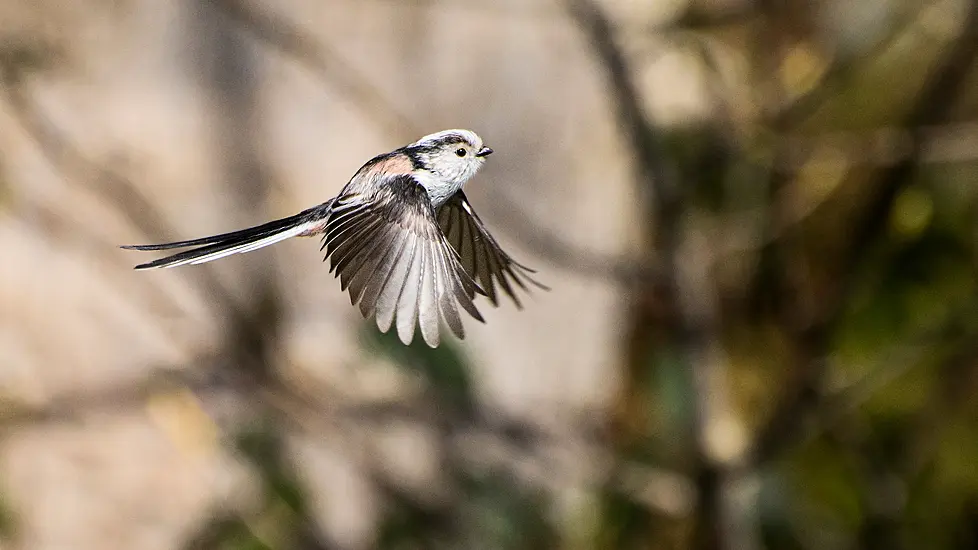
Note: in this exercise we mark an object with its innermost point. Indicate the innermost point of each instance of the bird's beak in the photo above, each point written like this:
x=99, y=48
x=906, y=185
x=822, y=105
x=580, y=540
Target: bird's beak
x=484, y=152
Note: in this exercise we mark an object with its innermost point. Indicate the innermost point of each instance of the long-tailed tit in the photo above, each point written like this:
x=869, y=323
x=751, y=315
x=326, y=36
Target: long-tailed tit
x=401, y=236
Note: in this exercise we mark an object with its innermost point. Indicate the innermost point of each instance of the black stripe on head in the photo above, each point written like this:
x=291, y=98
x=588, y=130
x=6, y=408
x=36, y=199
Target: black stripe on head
x=447, y=139
x=416, y=154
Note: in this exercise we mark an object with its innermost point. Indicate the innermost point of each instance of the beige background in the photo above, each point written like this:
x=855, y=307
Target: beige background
x=132, y=87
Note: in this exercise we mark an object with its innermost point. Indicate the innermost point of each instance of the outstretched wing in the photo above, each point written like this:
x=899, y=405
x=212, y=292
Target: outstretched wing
x=387, y=249
x=481, y=256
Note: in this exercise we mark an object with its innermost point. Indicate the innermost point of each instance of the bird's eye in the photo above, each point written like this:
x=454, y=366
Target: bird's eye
x=461, y=152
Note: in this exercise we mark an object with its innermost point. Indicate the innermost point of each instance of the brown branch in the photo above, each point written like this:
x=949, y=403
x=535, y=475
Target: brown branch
x=931, y=107
x=67, y=231
x=74, y=407
x=835, y=407
x=683, y=293
x=285, y=37
x=538, y=12
x=116, y=188
x=837, y=75
x=552, y=246
x=655, y=171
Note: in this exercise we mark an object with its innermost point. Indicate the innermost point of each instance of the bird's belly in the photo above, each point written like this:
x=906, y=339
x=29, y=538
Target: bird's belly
x=438, y=191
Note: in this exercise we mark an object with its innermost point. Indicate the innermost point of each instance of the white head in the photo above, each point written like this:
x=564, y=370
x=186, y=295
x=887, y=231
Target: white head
x=445, y=160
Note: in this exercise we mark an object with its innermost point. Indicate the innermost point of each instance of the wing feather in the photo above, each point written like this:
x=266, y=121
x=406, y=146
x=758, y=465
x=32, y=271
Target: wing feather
x=485, y=262
x=364, y=271
x=388, y=248
x=379, y=281
x=427, y=300
x=391, y=292
x=446, y=288
x=407, y=303
x=358, y=252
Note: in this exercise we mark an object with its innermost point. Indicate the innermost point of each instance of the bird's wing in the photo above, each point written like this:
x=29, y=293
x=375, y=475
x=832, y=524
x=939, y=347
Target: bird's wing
x=387, y=249
x=481, y=256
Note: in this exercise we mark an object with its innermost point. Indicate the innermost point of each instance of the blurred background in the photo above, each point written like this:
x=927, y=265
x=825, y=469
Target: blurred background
x=757, y=218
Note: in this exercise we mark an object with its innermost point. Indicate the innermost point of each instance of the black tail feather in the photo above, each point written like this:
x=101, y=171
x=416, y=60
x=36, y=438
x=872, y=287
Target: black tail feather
x=195, y=252
x=243, y=240
x=236, y=237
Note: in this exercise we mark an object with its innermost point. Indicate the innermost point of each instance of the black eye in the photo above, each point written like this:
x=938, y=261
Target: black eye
x=461, y=152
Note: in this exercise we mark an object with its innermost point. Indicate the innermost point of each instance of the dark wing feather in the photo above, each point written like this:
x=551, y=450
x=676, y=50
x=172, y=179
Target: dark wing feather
x=483, y=259
x=388, y=251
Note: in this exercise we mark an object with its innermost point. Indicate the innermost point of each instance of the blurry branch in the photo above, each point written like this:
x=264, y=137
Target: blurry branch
x=931, y=107
x=686, y=293
x=928, y=144
x=67, y=231
x=231, y=78
x=561, y=252
x=285, y=37
x=656, y=172
x=67, y=158
x=720, y=435
x=518, y=445
x=545, y=13
x=75, y=408
x=840, y=403
x=841, y=69
x=538, y=11
x=112, y=186
x=668, y=493
x=884, y=147
x=837, y=404
x=490, y=438
x=948, y=143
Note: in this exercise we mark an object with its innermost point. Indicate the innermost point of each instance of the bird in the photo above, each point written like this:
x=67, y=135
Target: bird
x=401, y=236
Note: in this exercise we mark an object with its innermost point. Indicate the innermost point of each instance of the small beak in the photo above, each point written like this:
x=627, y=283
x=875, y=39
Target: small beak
x=484, y=152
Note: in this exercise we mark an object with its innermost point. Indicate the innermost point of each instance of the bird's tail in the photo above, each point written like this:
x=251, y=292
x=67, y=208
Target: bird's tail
x=243, y=240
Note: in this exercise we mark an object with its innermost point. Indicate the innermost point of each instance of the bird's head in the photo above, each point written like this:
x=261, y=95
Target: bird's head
x=452, y=156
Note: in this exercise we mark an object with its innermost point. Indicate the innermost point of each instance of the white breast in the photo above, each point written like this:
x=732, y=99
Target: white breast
x=439, y=189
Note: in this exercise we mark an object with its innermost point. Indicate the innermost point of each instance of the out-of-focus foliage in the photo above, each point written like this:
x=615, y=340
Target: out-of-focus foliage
x=490, y=507
x=282, y=518
x=8, y=522
x=493, y=510
x=444, y=367
x=796, y=354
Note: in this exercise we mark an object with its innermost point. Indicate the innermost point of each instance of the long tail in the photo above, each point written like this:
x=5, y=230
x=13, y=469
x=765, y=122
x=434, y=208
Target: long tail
x=235, y=242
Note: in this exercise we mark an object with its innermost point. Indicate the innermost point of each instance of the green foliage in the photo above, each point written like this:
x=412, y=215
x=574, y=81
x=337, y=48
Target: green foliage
x=263, y=448
x=8, y=520
x=504, y=513
x=626, y=523
x=5, y=197
x=282, y=521
x=227, y=534
x=492, y=511
x=18, y=57
x=444, y=367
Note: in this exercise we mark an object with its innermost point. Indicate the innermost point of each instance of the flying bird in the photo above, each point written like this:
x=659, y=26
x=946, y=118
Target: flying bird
x=401, y=236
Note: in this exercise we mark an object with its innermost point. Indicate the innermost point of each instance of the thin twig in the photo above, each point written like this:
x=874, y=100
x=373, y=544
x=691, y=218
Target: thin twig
x=930, y=107
x=115, y=188
x=842, y=69
x=288, y=39
x=550, y=245
x=719, y=524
